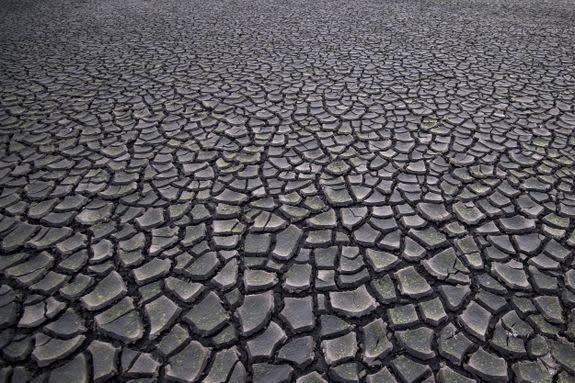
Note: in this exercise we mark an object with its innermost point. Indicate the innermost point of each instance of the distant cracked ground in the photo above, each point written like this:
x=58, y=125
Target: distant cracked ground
x=275, y=191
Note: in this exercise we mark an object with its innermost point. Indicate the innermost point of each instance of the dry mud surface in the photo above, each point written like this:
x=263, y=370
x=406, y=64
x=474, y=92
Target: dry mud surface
x=287, y=191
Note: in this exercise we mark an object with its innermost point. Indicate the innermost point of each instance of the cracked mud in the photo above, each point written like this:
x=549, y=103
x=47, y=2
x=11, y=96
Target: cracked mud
x=287, y=191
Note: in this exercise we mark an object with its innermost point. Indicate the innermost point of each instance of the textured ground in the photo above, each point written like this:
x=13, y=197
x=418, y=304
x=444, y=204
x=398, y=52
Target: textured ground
x=274, y=191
